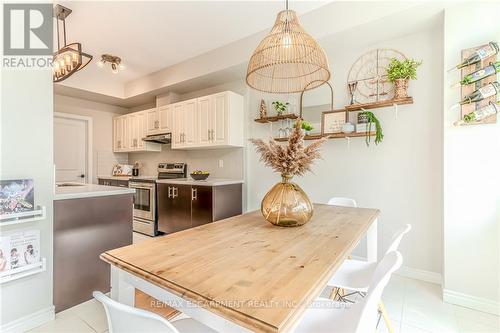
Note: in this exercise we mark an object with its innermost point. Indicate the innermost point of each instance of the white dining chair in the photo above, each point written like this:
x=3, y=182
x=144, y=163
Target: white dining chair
x=327, y=315
x=355, y=275
x=340, y=201
x=127, y=319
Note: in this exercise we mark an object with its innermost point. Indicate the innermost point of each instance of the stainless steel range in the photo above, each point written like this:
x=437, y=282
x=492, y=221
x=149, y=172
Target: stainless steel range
x=145, y=198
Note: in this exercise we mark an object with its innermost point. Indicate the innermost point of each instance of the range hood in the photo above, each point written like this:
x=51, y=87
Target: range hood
x=159, y=138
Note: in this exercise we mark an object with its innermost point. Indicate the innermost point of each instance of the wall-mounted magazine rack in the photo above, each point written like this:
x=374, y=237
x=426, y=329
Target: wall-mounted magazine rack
x=24, y=217
x=17, y=273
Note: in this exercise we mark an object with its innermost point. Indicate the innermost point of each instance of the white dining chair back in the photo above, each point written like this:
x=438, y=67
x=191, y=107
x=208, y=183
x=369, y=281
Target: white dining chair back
x=368, y=309
x=339, y=201
x=396, y=239
x=127, y=319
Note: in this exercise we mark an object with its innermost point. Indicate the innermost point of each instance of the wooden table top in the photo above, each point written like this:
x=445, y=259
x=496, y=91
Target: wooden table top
x=246, y=270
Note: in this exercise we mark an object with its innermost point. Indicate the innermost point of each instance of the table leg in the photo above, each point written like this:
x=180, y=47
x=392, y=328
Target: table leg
x=121, y=291
x=371, y=243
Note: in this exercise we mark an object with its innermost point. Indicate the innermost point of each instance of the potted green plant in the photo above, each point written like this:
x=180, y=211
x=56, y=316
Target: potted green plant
x=280, y=107
x=400, y=72
x=307, y=127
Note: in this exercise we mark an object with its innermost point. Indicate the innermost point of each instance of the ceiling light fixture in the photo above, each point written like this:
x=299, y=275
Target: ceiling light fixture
x=69, y=58
x=116, y=62
x=287, y=60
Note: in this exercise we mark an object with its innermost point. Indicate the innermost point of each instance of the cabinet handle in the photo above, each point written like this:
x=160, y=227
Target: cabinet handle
x=194, y=193
x=213, y=135
x=175, y=192
x=157, y=124
x=169, y=192
x=209, y=137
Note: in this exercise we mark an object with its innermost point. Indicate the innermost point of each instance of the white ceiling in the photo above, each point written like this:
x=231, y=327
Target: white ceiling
x=150, y=36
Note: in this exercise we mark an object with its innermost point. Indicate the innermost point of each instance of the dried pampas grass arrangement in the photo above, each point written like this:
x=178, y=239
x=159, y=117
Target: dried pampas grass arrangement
x=293, y=159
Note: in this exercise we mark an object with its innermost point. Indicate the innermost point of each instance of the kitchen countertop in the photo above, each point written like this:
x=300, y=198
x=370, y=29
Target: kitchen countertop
x=208, y=182
x=89, y=190
x=114, y=177
x=127, y=178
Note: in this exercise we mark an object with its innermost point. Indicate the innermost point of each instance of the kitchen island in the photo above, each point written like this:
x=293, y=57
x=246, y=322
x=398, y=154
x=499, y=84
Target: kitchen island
x=88, y=219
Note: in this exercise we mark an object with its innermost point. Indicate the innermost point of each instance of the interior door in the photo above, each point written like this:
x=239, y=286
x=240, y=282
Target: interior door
x=204, y=118
x=70, y=149
x=220, y=118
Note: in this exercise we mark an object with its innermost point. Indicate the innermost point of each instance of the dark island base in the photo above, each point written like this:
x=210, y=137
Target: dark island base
x=83, y=229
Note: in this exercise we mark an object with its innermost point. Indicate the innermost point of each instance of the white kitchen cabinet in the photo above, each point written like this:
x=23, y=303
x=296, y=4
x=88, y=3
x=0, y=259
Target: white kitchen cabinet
x=159, y=120
x=165, y=119
x=185, y=127
x=129, y=130
x=220, y=121
x=119, y=139
x=153, y=121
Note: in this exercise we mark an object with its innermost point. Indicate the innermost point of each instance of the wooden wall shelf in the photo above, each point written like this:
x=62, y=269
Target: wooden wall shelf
x=330, y=136
x=380, y=104
x=276, y=118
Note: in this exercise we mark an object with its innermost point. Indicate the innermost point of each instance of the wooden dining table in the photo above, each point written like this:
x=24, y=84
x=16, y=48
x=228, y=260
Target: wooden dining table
x=243, y=274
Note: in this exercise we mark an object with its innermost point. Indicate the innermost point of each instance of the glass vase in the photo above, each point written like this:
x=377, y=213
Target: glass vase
x=286, y=204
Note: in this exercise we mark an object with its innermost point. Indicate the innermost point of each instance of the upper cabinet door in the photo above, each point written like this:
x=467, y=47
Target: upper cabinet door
x=165, y=117
x=220, y=125
x=117, y=133
x=153, y=121
x=178, y=123
x=205, y=120
x=132, y=132
x=142, y=129
x=190, y=126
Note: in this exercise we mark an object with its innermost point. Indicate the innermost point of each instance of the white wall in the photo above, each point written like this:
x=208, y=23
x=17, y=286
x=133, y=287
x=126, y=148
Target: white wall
x=26, y=152
x=402, y=175
x=471, y=174
x=102, y=115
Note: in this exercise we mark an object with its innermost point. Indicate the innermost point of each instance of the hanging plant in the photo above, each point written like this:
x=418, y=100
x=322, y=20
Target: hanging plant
x=379, y=136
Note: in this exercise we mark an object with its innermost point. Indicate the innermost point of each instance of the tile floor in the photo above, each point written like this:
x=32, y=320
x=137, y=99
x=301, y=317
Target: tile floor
x=414, y=307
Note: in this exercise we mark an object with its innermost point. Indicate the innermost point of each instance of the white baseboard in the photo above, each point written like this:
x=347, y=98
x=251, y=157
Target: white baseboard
x=420, y=274
x=473, y=302
x=30, y=321
x=414, y=273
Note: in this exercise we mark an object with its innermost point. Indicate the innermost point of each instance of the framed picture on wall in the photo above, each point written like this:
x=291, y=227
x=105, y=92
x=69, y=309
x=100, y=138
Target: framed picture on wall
x=332, y=121
x=16, y=196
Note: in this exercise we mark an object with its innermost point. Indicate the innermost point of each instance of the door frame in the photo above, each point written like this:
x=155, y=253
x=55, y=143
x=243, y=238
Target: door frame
x=90, y=132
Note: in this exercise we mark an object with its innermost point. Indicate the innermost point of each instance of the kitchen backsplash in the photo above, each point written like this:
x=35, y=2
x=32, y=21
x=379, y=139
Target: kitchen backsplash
x=209, y=160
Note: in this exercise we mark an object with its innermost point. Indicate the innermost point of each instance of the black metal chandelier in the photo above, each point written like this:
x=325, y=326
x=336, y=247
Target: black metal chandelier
x=69, y=58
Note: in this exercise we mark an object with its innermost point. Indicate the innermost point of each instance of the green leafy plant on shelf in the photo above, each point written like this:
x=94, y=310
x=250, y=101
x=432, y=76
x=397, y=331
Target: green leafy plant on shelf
x=379, y=136
x=280, y=107
x=402, y=69
x=306, y=126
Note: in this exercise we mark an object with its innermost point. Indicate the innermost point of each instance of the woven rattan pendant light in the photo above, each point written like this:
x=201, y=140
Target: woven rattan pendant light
x=287, y=60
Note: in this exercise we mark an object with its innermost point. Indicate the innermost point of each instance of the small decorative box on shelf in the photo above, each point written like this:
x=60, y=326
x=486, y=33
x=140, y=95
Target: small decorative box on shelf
x=276, y=118
x=330, y=136
x=379, y=104
x=23, y=271
x=24, y=217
